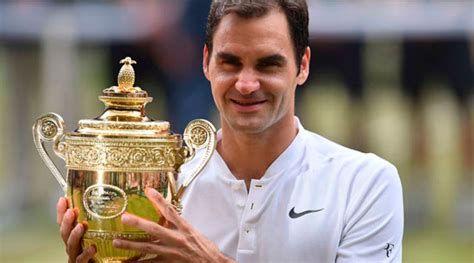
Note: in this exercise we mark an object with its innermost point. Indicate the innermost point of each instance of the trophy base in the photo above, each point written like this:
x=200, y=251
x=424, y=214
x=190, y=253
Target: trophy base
x=106, y=252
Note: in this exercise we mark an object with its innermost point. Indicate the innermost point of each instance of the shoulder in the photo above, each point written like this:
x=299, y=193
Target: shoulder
x=352, y=166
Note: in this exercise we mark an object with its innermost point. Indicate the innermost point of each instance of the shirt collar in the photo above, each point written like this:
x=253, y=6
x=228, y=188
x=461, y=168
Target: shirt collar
x=283, y=163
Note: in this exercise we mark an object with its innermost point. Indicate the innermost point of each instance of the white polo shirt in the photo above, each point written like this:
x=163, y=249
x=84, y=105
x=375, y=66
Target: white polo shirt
x=317, y=202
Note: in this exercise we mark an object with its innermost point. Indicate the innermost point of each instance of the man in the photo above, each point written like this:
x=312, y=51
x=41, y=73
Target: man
x=273, y=192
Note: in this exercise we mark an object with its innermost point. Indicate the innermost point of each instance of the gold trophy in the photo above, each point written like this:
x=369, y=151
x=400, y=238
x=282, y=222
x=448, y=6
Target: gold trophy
x=113, y=158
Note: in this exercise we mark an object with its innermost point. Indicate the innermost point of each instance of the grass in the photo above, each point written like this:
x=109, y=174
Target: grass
x=42, y=243
x=436, y=244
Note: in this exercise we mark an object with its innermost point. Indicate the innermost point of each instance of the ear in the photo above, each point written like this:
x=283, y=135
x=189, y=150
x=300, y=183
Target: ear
x=205, y=59
x=304, y=67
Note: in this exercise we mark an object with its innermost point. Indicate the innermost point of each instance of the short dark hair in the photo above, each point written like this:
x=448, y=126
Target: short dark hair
x=296, y=12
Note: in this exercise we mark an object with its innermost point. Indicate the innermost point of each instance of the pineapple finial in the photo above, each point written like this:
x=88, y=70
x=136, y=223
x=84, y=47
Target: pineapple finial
x=126, y=76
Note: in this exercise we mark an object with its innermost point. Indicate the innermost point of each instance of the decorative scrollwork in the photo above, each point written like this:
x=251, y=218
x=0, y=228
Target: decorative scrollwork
x=49, y=129
x=137, y=236
x=138, y=157
x=113, y=125
x=117, y=157
x=198, y=134
x=126, y=157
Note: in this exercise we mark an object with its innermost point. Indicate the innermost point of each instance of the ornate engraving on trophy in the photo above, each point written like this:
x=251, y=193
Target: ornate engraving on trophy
x=110, y=155
x=105, y=201
x=199, y=135
x=48, y=129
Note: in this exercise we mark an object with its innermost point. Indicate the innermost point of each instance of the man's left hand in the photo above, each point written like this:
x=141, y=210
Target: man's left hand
x=176, y=240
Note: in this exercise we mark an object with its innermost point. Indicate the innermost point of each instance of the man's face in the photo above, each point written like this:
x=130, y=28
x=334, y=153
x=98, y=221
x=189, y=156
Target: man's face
x=253, y=73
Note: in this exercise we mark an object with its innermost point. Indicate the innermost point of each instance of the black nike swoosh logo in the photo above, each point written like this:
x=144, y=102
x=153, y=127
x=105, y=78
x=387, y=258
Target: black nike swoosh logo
x=294, y=215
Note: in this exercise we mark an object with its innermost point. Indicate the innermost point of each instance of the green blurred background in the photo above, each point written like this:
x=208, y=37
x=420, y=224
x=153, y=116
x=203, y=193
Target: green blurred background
x=59, y=55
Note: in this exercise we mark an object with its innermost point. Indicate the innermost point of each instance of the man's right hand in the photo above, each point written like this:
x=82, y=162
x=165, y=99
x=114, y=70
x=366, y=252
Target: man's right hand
x=72, y=233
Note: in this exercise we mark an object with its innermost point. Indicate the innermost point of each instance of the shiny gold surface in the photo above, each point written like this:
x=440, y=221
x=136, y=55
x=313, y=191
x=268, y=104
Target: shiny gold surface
x=111, y=159
x=126, y=76
x=111, y=127
x=102, y=197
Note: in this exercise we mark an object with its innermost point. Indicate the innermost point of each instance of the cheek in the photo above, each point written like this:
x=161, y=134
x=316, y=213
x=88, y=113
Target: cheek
x=278, y=86
x=221, y=83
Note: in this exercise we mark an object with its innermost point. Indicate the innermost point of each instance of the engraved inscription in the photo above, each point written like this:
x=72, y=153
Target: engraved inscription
x=105, y=201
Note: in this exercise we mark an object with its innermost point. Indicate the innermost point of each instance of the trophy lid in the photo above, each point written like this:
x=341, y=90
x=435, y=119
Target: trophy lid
x=124, y=113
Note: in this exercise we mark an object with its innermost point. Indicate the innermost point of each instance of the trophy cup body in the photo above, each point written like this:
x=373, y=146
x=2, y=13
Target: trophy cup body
x=113, y=158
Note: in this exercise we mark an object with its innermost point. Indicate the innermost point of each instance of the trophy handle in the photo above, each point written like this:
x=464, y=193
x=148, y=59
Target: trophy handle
x=47, y=128
x=198, y=134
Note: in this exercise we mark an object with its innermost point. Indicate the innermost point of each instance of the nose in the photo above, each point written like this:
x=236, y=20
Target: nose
x=247, y=82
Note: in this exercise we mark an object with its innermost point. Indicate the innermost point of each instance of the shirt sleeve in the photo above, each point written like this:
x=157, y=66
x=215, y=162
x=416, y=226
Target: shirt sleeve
x=373, y=228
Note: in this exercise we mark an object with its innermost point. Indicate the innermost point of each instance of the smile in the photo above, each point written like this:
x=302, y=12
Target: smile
x=247, y=105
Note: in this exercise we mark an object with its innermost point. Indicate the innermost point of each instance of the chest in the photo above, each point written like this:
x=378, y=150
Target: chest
x=279, y=221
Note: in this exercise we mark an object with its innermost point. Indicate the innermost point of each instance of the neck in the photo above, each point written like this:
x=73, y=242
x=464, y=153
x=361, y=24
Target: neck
x=248, y=156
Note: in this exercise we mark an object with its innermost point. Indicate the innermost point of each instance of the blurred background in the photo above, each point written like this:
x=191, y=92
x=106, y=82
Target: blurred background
x=390, y=77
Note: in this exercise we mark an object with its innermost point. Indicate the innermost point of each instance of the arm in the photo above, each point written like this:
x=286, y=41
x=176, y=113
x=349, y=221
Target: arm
x=373, y=228
x=176, y=240
x=71, y=234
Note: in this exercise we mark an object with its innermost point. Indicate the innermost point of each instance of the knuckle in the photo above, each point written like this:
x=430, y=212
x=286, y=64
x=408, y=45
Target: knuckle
x=149, y=248
x=84, y=257
x=169, y=210
x=73, y=239
x=64, y=236
x=181, y=240
x=155, y=228
x=77, y=230
x=69, y=246
x=67, y=217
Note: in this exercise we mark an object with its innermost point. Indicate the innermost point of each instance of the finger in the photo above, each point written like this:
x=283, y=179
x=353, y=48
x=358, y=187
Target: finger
x=148, y=248
x=164, y=207
x=152, y=228
x=74, y=241
x=61, y=208
x=86, y=255
x=67, y=224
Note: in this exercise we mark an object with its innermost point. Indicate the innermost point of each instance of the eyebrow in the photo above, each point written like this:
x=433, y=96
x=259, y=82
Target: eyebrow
x=272, y=59
x=228, y=57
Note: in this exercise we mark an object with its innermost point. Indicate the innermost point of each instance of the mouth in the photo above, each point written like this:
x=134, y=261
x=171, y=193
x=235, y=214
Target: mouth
x=247, y=105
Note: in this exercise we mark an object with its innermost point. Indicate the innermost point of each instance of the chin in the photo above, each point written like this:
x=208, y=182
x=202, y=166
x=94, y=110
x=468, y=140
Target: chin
x=249, y=126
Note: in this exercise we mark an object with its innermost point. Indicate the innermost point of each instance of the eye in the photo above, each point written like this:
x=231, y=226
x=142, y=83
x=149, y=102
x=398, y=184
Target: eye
x=268, y=65
x=230, y=65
